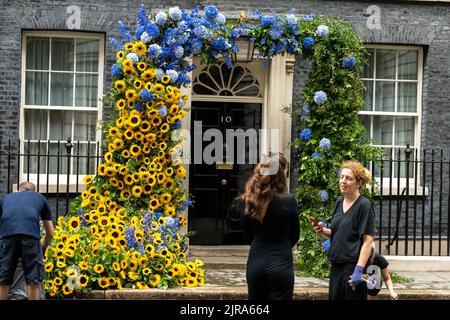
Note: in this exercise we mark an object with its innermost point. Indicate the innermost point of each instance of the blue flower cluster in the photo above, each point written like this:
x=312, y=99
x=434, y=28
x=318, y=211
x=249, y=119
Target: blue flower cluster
x=174, y=37
x=168, y=230
x=325, y=143
x=320, y=97
x=276, y=34
x=323, y=195
x=305, y=135
x=326, y=244
x=349, y=62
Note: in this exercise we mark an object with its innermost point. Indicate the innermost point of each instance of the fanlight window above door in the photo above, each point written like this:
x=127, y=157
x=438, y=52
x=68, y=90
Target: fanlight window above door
x=219, y=80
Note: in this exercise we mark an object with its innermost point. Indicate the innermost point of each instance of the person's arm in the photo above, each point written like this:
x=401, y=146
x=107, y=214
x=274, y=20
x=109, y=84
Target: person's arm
x=389, y=285
x=294, y=227
x=246, y=227
x=364, y=254
x=49, y=231
x=366, y=248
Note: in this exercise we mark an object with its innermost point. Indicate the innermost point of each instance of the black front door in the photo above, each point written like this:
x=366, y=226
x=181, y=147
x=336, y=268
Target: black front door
x=213, y=187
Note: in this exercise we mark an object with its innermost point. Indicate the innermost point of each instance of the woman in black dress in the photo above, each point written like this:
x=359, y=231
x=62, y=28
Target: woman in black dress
x=351, y=234
x=271, y=224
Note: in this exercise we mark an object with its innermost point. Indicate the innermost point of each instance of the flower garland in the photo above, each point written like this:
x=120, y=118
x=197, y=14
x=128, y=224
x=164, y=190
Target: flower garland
x=123, y=231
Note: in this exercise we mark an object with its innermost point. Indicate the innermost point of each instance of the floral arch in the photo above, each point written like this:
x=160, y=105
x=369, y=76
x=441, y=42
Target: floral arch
x=124, y=229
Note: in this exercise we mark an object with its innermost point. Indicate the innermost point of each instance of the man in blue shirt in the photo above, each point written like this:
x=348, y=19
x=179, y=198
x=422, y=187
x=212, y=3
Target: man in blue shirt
x=20, y=238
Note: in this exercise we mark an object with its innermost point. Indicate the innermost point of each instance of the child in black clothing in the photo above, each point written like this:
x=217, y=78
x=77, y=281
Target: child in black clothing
x=379, y=261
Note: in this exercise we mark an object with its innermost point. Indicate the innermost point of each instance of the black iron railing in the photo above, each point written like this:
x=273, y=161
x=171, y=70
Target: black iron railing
x=56, y=167
x=411, y=204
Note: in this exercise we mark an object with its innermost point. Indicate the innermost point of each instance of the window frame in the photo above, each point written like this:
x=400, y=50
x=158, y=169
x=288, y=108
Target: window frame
x=52, y=179
x=417, y=115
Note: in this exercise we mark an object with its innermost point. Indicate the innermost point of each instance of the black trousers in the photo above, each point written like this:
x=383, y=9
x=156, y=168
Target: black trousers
x=339, y=288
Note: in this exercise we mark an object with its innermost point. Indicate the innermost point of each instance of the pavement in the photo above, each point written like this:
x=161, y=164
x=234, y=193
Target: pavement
x=230, y=284
x=429, y=279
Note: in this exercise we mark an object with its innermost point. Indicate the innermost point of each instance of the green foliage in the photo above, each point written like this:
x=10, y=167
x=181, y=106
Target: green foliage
x=398, y=278
x=336, y=120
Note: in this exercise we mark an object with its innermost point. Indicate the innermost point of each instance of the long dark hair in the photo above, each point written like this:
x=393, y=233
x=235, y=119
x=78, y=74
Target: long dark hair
x=264, y=184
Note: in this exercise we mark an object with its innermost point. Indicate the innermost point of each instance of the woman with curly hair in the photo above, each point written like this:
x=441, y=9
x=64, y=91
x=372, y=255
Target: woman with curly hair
x=351, y=234
x=271, y=225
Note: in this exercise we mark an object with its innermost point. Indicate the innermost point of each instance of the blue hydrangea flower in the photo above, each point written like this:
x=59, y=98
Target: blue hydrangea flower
x=309, y=17
x=173, y=75
x=138, y=107
x=177, y=125
x=275, y=33
x=201, y=32
x=154, y=50
x=146, y=95
x=305, y=135
x=316, y=155
x=220, y=19
x=196, y=47
x=139, y=31
x=267, y=21
x=308, y=42
x=322, y=31
x=179, y=52
x=211, y=11
x=320, y=97
x=153, y=30
x=221, y=44
x=325, y=143
x=323, y=195
x=349, y=62
x=175, y=13
x=145, y=37
x=116, y=71
x=306, y=110
x=162, y=112
x=326, y=245
x=161, y=18
x=133, y=57
x=159, y=74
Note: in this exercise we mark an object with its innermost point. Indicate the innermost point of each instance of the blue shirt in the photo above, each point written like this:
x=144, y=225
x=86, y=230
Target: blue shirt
x=20, y=213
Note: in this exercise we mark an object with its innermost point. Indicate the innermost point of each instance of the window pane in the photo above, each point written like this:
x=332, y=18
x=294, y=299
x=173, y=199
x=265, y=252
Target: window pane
x=368, y=95
x=382, y=130
x=407, y=65
x=368, y=68
x=36, y=88
x=60, y=124
x=365, y=121
x=35, y=124
x=37, y=53
x=87, y=55
x=407, y=97
x=84, y=161
x=35, y=155
x=61, y=89
x=387, y=165
x=58, y=164
x=86, y=90
x=384, y=96
x=85, y=126
x=404, y=131
x=62, y=54
x=385, y=64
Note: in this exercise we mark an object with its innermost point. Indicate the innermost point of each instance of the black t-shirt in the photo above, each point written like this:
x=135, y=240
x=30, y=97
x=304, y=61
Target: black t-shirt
x=280, y=223
x=348, y=228
x=380, y=261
